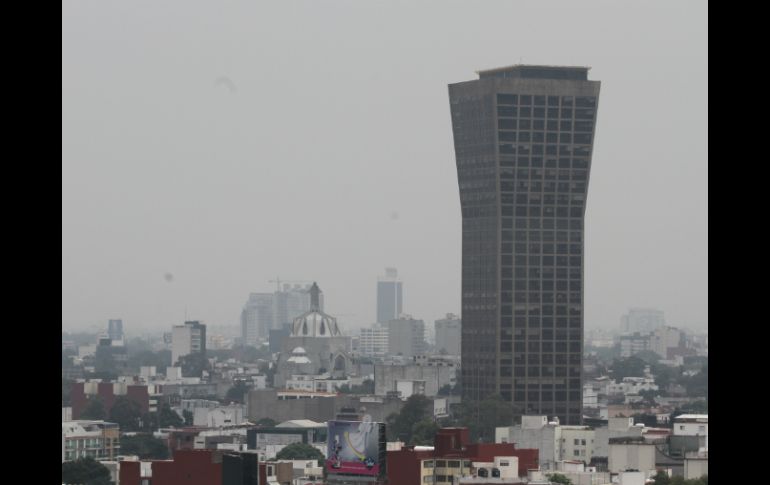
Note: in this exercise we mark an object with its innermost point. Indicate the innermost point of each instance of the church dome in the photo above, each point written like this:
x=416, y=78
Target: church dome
x=315, y=323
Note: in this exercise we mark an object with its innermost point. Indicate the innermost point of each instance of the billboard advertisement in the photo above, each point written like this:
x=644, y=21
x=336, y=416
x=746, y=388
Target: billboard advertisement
x=356, y=448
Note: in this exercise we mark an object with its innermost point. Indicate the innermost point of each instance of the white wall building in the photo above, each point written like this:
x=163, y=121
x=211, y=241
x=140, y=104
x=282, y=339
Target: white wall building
x=692, y=425
x=187, y=339
x=373, y=341
x=553, y=441
x=218, y=417
x=631, y=454
x=616, y=428
x=315, y=383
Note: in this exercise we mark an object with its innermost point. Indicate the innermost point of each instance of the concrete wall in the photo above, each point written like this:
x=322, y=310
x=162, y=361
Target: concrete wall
x=435, y=377
x=695, y=467
x=264, y=403
x=635, y=456
x=603, y=435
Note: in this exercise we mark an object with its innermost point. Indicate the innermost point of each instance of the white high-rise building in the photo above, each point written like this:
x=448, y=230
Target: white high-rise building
x=373, y=341
x=187, y=339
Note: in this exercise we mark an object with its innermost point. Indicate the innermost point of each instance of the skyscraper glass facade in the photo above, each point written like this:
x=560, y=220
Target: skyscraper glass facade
x=523, y=144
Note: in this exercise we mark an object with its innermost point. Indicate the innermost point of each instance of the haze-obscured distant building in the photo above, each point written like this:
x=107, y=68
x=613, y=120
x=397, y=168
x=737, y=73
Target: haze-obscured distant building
x=271, y=311
x=115, y=330
x=277, y=338
x=257, y=317
x=389, y=296
x=642, y=320
x=448, y=334
x=406, y=336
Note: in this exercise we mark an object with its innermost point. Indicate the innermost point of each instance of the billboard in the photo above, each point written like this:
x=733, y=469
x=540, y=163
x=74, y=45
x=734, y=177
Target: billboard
x=356, y=448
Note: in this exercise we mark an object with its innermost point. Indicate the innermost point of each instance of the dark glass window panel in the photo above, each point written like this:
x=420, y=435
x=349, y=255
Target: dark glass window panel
x=507, y=99
x=505, y=124
x=585, y=102
x=507, y=136
x=508, y=111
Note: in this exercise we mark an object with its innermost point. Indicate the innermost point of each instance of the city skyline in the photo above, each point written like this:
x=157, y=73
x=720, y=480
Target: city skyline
x=191, y=222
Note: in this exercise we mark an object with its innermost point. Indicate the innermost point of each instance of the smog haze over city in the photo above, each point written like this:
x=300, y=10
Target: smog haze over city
x=208, y=148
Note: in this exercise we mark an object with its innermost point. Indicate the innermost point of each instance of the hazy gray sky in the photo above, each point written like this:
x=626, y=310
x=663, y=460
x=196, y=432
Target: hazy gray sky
x=228, y=143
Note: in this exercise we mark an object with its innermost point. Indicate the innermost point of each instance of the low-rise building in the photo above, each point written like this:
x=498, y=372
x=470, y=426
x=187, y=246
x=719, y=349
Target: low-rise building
x=198, y=467
x=692, y=425
x=99, y=440
x=316, y=382
x=219, y=416
x=424, y=375
x=553, y=441
x=453, y=457
x=146, y=396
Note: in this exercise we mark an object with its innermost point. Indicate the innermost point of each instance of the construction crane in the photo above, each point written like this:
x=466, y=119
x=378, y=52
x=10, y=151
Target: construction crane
x=278, y=282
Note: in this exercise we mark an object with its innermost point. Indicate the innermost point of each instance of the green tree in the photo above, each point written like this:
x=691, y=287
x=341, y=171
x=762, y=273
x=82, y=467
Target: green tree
x=628, y=367
x=559, y=478
x=193, y=364
x=188, y=417
x=649, y=420
x=424, y=432
x=85, y=471
x=445, y=390
x=146, y=446
x=697, y=385
x=160, y=359
x=94, y=409
x=648, y=356
x=300, y=451
x=482, y=417
x=168, y=418
x=661, y=478
x=366, y=387
x=401, y=424
x=66, y=391
x=696, y=407
x=127, y=413
x=267, y=423
x=665, y=375
x=237, y=392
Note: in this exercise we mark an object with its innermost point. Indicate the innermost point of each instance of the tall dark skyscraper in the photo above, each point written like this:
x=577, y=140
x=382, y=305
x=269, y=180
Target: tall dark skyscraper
x=523, y=140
